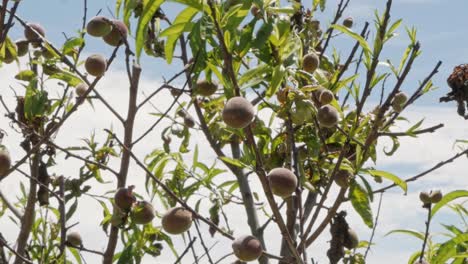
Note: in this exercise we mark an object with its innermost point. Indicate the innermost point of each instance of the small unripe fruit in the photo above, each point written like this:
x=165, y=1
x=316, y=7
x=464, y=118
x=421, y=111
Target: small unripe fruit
x=351, y=239
x=342, y=178
x=5, y=161
x=205, y=88
x=189, y=121
x=96, y=65
x=238, y=112
x=23, y=47
x=247, y=248
x=283, y=182
x=310, y=62
x=176, y=92
x=425, y=197
x=436, y=196
x=81, y=89
x=326, y=97
x=98, y=27
x=143, y=213
x=255, y=11
x=30, y=35
x=348, y=22
x=327, y=116
x=74, y=239
x=124, y=198
x=177, y=220
x=119, y=29
x=399, y=101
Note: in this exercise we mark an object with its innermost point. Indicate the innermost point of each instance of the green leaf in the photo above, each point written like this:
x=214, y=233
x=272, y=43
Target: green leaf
x=26, y=75
x=75, y=254
x=72, y=210
x=148, y=11
x=448, y=198
x=360, y=201
x=181, y=24
x=391, y=177
x=356, y=36
x=407, y=232
x=126, y=256
x=67, y=77
x=276, y=80
x=253, y=75
x=234, y=162
x=71, y=43
x=448, y=249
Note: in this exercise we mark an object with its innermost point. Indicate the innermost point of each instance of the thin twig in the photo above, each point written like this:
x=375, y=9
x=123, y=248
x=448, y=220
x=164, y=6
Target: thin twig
x=426, y=234
x=190, y=244
x=416, y=132
x=374, y=227
x=10, y=205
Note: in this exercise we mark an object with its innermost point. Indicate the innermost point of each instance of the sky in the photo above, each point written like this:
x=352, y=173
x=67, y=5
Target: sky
x=442, y=33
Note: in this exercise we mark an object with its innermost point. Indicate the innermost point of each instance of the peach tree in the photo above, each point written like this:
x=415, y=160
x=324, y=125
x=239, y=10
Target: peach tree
x=292, y=125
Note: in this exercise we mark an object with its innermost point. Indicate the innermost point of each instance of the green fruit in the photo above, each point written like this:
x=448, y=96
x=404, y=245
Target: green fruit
x=98, y=27
x=348, y=22
x=247, y=248
x=96, y=65
x=238, y=112
x=282, y=181
x=436, y=196
x=425, y=197
x=81, y=89
x=119, y=30
x=342, y=178
x=328, y=116
x=399, y=101
x=124, y=198
x=205, y=88
x=189, y=121
x=177, y=220
x=74, y=239
x=143, y=213
x=31, y=35
x=5, y=161
x=23, y=47
x=326, y=97
x=351, y=239
x=310, y=62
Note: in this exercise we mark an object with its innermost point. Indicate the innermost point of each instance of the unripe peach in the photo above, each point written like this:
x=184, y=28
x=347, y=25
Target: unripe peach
x=81, y=89
x=425, y=197
x=283, y=182
x=119, y=30
x=23, y=47
x=124, y=198
x=5, y=161
x=399, y=101
x=143, y=213
x=436, y=196
x=310, y=62
x=96, y=65
x=351, y=239
x=205, y=88
x=30, y=35
x=342, y=178
x=328, y=116
x=238, y=112
x=177, y=220
x=74, y=239
x=247, y=248
x=326, y=97
x=348, y=22
x=189, y=121
x=98, y=27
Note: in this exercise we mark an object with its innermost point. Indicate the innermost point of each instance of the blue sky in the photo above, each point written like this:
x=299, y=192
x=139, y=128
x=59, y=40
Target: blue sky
x=442, y=27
